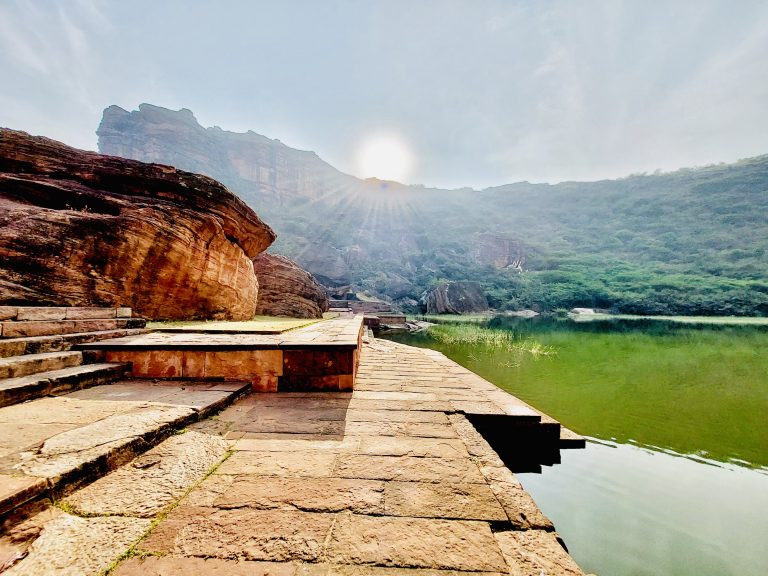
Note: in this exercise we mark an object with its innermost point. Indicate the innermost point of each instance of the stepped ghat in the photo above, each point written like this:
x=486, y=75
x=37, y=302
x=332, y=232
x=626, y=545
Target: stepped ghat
x=314, y=450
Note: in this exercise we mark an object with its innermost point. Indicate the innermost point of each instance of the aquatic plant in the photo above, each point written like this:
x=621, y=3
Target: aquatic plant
x=494, y=338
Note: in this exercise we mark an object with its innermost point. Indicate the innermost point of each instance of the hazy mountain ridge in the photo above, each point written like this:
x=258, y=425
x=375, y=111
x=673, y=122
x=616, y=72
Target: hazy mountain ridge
x=690, y=241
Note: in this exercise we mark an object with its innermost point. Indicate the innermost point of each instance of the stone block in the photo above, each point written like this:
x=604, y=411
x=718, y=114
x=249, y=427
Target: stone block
x=193, y=364
x=317, y=363
x=82, y=313
x=407, y=468
x=181, y=566
x=123, y=312
x=243, y=364
x=264, y=463
x=414, y=542
x=442, y=500
x=15, y=490
x=302, y=383
x=31, y=328
x=8, y=312
x=273, y=535
x=150, y=363
x=346, y=382
x=419, y=447
x=268, y=383
x=534, y=552
x=308, y=494
x=40, y=313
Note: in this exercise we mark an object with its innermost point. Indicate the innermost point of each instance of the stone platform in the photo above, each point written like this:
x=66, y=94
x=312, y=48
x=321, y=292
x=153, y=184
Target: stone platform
x=391, y=478
x=321, y=356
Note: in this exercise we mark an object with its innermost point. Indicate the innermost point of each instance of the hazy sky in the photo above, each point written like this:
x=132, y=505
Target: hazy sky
x=482, y=92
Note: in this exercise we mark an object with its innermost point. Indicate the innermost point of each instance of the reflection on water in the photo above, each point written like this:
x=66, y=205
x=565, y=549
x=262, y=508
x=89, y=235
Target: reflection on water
x=699, y=391
x=624, y=510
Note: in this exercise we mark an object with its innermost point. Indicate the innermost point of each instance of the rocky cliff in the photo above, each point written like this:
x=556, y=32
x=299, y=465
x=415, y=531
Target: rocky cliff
x=498, y=250
x=287, y=290
x=83, y=229
x=455, y=298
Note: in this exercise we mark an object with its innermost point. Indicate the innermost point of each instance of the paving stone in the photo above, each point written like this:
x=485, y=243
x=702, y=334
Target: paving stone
x=15, y=490
x=78, y=546
x=519, y=506
x=414, y=542
x=313, y=464
x=294, y=442
x=74, y=452
x=151, y=482
x=352, y=570
x=274, y=535
x=18, y=366
x=408, y=468
x=443, y=500
x=180, y=566
x=308, y=494
x=421, y=447
x=396, y=416
x=535, y=552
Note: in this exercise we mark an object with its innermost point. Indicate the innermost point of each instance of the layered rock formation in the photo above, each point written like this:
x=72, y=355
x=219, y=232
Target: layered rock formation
x=498, y=250
x=82, y=229
x=455, y=298
x=287, y=290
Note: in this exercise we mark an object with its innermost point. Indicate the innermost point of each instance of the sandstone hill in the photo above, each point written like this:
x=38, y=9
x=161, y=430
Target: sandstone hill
x=693, y=241
x=82, y=229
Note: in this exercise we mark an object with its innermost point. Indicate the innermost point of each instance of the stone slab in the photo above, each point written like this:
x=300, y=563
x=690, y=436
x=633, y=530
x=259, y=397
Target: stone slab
x=77, y=546
x=154, y=480
x=15, y=490
x=535, y=552
x=421, y=447
x=272, y=535
x=408, y=468
x=15, y=367
x=442, y=500
x=185, y=566
x=307, y=494
x=414, y=542
x=310, y=463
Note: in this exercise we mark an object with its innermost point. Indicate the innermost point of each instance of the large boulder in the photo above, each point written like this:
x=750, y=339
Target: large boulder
x=455, y=298
x=287, y=290
x=83, y=229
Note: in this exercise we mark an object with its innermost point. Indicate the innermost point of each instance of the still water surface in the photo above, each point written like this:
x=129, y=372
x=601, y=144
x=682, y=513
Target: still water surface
x=674, y=479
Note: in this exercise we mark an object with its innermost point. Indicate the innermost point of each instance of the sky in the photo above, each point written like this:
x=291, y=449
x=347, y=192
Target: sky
x=477, y=92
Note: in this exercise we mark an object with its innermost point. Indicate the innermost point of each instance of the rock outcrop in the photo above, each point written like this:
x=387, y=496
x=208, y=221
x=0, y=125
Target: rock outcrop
x=83, y=229
x=455, y=298
x=287, y=290
x=498, y=250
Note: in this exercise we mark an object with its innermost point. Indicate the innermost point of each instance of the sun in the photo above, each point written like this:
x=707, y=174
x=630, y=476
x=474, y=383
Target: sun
x=386, y=157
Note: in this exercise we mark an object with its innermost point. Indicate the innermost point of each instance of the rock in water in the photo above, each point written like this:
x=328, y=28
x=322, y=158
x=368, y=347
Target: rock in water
x=287, y=290
x=83, y=229
x=455, y=298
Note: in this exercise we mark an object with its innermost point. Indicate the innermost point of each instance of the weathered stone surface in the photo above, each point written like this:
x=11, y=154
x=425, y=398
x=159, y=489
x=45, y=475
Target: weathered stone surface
x=77, y=546
x=180, y=566
x=535, y=552
x=443, y=500
x=455, y=298
x=70, y=452
x=82, y=229
x=408, y=468
x=421, y=447
x=308, y=494
x=287, y=290
x=152, y=481
x=414, y=542
x=522, y=511
x=276, y=535
x=279, y=463
x=498, y=250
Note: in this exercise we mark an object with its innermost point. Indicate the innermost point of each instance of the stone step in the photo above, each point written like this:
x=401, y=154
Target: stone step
x=57, y=343
x=17, y=366
x=61, y=443
x=57, y=382
x=29, y=328
x=26, y=313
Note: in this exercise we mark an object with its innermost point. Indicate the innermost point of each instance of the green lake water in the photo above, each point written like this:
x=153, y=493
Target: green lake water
x=674, y=479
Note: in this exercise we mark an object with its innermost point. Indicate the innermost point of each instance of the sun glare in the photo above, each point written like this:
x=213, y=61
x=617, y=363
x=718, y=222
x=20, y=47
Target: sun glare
x=384, y=157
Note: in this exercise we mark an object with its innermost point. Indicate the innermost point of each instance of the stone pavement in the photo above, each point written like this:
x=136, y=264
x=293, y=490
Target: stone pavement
x=389, y=479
